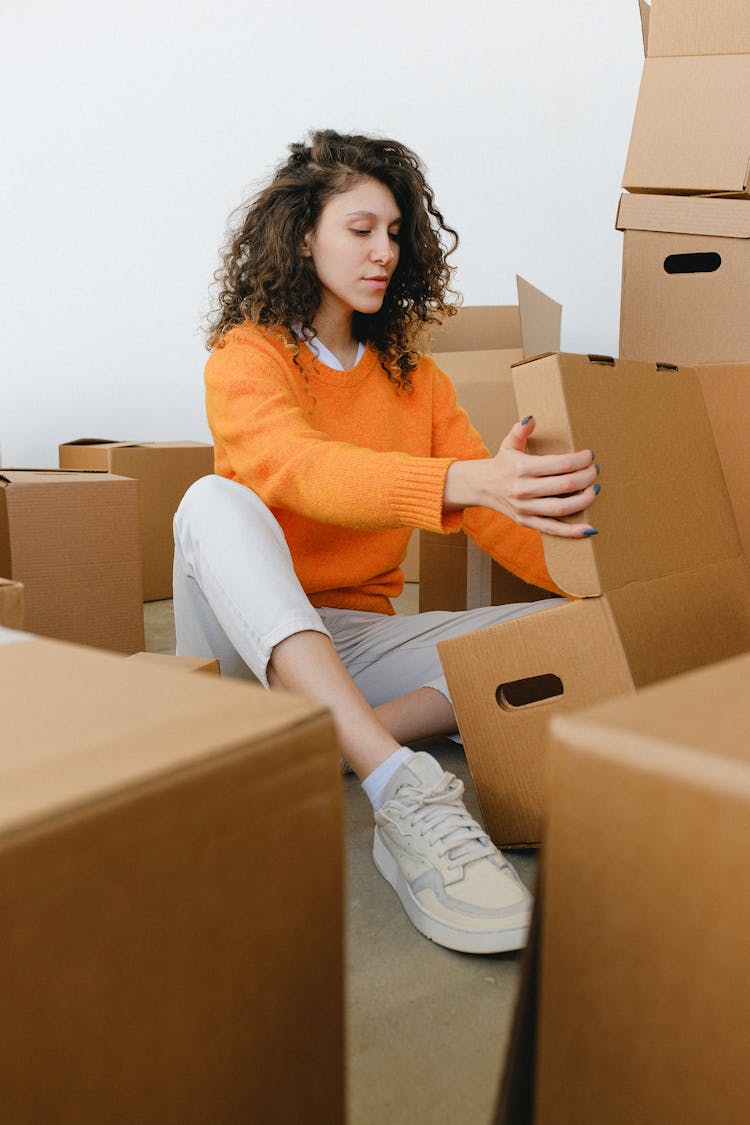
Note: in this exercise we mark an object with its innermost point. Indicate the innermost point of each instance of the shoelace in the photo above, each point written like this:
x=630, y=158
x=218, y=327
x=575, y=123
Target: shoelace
x=440, y=812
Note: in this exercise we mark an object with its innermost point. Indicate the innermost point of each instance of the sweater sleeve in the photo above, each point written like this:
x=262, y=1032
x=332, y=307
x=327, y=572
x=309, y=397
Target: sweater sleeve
x=269, y=444
x=518, y=549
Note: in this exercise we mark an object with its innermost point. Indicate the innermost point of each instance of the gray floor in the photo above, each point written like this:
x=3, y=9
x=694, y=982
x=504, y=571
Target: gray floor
x=426, y=1027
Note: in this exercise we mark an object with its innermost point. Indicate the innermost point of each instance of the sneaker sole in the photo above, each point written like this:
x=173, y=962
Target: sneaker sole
x=462, y=941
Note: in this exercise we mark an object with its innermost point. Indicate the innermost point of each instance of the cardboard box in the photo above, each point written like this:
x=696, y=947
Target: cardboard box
x=165, y=470
x=691, y=132
x=11, y=604
x=179, y=663
x=726, y=392
x=685, y=278
x=644, y=1007
x=477, y=348
x=171, y=893
x=664, y=586
x=72, y=540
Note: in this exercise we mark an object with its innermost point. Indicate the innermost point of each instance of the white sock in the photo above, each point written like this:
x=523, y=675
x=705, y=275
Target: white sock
x=375, y=783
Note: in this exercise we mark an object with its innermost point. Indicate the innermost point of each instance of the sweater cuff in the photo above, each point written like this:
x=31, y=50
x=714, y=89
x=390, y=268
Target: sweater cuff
x=418, y=493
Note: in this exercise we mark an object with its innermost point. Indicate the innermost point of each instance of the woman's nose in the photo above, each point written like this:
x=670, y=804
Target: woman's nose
x=382, y=250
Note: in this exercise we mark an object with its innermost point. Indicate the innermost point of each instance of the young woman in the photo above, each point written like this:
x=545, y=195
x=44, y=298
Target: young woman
x=335, y=437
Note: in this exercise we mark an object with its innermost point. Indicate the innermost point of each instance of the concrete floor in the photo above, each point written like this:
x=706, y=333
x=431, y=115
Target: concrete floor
x=426, y=1027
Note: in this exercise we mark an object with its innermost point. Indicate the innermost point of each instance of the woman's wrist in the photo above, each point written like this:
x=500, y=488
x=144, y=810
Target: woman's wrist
x=463, y=485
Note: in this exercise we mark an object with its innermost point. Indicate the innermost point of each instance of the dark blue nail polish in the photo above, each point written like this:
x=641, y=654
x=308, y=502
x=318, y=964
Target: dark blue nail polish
x=597, y=468
x=597, y=488
x=527, y=419
x=593, y=456
x=590, y=531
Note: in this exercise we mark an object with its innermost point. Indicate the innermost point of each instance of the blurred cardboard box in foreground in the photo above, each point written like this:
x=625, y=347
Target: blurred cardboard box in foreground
x=644, y=1005
x=664, y=587
x=167, y=956
x=165, y=470
x=72, y=539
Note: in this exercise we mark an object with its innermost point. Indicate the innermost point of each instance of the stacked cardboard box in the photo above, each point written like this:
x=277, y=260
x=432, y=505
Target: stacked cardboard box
x=72, y=539
x=640, y=1010
x=171, y=895
x=664, y=586
x=11, y=604
x=477, y=348
x=164, y=471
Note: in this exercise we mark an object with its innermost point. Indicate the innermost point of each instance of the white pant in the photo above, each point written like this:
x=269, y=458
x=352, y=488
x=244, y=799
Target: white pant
x=236, y=596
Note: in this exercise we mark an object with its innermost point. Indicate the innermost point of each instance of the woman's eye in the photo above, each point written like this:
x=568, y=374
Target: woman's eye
x=394, y=235
x=356, y=231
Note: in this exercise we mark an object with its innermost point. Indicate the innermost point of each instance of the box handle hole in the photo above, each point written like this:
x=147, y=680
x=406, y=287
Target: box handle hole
x=692, y=263
x=532, y=689
x=605, y=360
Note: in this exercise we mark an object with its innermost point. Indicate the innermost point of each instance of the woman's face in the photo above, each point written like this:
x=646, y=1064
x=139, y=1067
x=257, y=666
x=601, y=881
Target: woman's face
x=354, y=248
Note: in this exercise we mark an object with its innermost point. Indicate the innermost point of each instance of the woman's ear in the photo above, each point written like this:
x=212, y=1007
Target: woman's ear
x=304, y=250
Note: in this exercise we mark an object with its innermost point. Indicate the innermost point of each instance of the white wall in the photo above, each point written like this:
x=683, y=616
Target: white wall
x=131, y=133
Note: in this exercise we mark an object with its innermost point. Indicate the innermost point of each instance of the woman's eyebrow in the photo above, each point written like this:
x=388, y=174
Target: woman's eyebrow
x=371, y=215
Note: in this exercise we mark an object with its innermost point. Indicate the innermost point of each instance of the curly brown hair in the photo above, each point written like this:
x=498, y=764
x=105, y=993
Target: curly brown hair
x=265, y=278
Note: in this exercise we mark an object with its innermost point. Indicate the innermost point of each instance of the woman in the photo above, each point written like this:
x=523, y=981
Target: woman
x=335, y=437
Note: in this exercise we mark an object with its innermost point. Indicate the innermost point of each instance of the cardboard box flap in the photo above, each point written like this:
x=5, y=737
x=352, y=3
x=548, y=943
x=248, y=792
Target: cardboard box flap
x=26, y=477
x=645, y=12
x=663, y=507
x=533, y=325
x=540, y=319
x=691, y=132
x=684, y=214
x=697, y=27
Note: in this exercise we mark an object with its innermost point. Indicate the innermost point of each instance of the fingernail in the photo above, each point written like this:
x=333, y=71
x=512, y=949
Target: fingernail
x=597, y=488
x=597, y=468
x=527, y=419
x=590, y=531
x=593, y=456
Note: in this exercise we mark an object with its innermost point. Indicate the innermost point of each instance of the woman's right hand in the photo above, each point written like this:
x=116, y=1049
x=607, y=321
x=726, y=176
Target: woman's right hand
x=535, y=491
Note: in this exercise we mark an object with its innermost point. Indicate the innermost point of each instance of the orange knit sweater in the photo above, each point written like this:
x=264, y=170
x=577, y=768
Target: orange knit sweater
x=349, y=464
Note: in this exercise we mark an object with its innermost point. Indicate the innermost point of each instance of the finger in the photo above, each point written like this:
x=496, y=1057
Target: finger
x=557, y=507
x=519, y=434
x=560, y=529
x=557, y=464
x=560, y=485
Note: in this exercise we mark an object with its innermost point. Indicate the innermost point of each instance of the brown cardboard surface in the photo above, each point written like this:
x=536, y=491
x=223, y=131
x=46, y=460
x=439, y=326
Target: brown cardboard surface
x=726, y=391
x=699, y=27
x=72, y=539
x=666, y=587
x=691, y=132
x=179, y=663
x=11, y=604
x=165, y=470
x=644, y=1009
x=477, y=349
x=159, y=927
x=685, y=279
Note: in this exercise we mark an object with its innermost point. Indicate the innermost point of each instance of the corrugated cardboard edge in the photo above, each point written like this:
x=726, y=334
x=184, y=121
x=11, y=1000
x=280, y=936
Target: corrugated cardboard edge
x=645, y=12
x=683, y=214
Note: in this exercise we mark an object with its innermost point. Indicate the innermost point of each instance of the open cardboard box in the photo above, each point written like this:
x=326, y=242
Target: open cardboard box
x=165, y=470
x=664, y=586
x=167, y=954
x=477, y=349
x=11, y=604
x=72, y=540
x=691, y=132
x=643, y=1011
x=685, y=278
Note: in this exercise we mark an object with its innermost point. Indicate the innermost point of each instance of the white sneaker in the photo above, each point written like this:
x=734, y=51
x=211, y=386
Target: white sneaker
x=454, y=884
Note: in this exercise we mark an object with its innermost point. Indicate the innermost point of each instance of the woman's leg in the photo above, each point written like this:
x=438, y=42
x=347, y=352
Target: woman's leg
x=237, y=597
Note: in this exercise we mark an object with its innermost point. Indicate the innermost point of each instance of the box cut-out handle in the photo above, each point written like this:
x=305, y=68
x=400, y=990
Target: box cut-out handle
x=707, y=262
x=531, y=689
x=605, y=360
